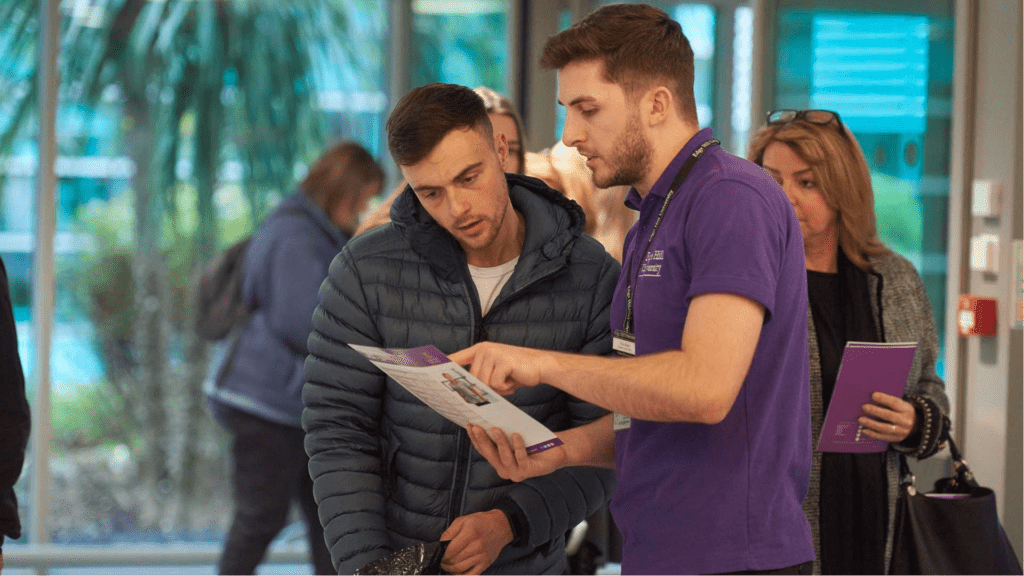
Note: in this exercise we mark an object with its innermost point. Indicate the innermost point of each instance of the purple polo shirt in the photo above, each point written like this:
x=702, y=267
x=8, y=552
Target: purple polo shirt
x=696, y=498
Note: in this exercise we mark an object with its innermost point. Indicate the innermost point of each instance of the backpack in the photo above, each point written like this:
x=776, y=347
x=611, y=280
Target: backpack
x=217, y=293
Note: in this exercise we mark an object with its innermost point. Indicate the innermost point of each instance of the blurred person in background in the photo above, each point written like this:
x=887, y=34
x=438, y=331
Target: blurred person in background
x=14, y=417
x=565, y=169
x=505, y=121
x=858, y=290
x=258, y=392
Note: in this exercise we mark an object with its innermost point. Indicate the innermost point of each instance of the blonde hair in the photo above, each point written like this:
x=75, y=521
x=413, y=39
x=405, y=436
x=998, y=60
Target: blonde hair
x=842, y=175
x=495, y=103
x=564, y=169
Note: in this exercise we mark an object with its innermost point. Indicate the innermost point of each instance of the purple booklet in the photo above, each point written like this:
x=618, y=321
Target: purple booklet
x=866, y=367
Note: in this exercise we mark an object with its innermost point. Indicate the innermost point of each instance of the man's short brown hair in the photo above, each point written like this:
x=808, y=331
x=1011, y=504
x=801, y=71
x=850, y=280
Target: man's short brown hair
x=425, y=115
x=640, y=45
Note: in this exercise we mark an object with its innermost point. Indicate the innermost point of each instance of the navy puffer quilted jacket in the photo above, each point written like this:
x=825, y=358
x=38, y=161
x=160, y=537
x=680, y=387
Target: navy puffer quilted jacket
x=387, y=470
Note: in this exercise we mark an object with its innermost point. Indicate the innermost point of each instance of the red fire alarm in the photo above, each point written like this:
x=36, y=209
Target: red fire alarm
x=976, y=315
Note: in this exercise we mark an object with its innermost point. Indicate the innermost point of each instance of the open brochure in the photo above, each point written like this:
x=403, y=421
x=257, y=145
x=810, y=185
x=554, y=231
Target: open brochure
x=456, y=394
x=866, y=367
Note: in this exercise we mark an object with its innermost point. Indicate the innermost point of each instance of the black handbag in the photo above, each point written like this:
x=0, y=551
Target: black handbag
x=954, y=529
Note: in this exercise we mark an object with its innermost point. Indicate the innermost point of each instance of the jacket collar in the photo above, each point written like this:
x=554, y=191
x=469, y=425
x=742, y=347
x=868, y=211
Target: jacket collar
x=876, y=281
x=553, y=224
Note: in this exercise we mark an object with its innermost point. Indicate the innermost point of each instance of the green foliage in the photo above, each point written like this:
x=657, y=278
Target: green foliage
x=86, y=416
x=467, y=49
x=198, y=83
x=201, y=81
x=101, y=277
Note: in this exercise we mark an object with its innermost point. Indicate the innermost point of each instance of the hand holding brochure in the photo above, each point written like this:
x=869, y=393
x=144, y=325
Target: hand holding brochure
x=866, y=367
x=456, y=394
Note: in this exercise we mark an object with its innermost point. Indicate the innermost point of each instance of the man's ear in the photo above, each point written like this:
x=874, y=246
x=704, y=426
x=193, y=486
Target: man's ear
x=657, y=104
x=501, y=147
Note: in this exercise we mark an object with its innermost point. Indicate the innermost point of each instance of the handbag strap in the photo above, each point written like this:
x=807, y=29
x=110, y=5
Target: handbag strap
x=962, y=475
x=962, y=472
x=907, y=477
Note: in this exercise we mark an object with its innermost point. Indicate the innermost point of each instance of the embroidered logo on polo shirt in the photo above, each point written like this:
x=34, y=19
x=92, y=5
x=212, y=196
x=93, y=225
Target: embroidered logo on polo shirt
x=651, y=267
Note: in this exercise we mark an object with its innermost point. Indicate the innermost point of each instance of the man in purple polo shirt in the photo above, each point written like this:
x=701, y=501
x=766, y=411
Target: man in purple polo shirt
x=711, y=436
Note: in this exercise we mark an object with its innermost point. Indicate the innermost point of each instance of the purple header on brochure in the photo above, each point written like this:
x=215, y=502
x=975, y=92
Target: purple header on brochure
x=866, y=367
x=421, y=357
x=543, y=446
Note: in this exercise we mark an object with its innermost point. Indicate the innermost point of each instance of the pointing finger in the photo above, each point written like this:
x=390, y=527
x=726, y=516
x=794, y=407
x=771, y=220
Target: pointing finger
x=463, y=357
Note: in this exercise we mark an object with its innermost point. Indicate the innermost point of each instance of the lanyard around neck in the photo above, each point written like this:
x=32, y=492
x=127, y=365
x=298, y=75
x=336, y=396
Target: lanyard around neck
x=627, y=323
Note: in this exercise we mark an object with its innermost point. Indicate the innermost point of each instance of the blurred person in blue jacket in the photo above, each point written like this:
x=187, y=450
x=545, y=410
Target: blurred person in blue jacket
x=14, y=417
x=257, y=396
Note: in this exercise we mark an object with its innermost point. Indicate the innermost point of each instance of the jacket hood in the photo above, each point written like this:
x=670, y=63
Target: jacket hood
x=298, y=203
x=553, y=224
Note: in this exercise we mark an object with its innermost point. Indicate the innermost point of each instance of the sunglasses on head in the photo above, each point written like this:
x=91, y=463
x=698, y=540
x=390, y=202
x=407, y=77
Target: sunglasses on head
x=821, y=117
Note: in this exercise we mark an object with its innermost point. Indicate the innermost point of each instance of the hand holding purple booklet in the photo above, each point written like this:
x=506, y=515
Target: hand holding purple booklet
x=866, y=367
x=456, y=394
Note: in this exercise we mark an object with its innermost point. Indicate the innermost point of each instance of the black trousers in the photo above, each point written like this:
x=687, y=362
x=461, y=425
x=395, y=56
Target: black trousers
x=269, y=472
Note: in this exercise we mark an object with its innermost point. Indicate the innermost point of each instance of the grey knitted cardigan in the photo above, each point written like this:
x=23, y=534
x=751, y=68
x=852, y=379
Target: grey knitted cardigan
x=906, y=315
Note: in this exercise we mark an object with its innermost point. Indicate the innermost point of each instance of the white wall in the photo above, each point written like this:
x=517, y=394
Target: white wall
x=989, y=375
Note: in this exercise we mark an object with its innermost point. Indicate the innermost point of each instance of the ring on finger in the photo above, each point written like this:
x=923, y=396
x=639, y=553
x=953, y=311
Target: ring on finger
x=893, y=428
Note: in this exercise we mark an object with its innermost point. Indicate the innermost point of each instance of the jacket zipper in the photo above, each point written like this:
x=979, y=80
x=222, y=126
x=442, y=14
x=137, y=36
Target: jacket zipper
x=460, y=476
x=498, y=303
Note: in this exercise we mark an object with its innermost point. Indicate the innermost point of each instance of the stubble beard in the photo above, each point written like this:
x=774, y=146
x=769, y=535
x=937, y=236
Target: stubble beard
x=488, y=239
x=633, y=162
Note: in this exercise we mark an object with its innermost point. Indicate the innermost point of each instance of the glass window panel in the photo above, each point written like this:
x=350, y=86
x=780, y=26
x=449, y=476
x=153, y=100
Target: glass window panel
x=698, y=22
x=742, y=69
x=889, y=75
x=461, y=42
x=564, y=21
x=178, y=130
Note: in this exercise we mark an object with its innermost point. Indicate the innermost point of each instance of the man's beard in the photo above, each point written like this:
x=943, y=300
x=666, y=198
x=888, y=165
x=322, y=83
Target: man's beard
x=633, y=161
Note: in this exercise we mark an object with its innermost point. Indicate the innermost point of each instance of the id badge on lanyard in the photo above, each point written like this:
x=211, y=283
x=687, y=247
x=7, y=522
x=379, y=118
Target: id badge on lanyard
x=624, y=343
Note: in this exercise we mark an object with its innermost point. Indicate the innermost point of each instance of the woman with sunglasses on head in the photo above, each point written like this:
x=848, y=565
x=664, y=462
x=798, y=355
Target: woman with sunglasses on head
x=858, y=290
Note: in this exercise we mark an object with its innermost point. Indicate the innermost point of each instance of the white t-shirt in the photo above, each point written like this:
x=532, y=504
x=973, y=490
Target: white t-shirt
x=490, y=281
